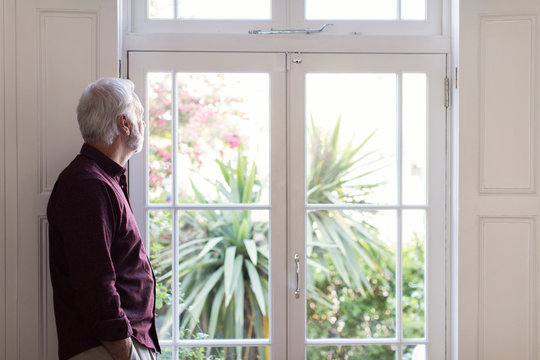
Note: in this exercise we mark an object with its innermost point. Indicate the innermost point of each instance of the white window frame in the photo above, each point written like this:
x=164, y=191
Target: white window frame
x=381, y=37
x=289, y=14
x=140, y=22
x=435, y=206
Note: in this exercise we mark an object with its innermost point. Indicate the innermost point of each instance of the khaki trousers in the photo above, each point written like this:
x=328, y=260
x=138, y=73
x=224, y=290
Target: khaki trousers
x=138, y=352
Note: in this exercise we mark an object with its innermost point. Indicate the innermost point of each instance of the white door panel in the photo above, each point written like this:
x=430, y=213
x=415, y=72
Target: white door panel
x=61, y=47
x=497, y=141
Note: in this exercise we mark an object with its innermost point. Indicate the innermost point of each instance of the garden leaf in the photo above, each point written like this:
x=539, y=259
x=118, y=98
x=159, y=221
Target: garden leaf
x=224, y=170
x=248, y=188
x=251, y=248
x=242, y=231
x=237, y=271
x=216, y=308
x=256, y=285
x=335, y=134
x=229, y=267
x=198, y=195
x=239, y=309
x=202, y=295
x=209, y=246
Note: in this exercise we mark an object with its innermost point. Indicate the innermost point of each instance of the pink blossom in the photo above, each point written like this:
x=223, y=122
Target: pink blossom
x=165, y=155
x=233, y=140
x=160, y=122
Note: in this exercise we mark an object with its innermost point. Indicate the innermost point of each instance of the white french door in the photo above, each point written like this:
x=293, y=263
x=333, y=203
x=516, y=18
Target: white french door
x=366, y=206
x=293, y=205
x=209, y=194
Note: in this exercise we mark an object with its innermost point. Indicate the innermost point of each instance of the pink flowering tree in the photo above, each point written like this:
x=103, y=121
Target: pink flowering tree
x=207, y=129
x=207, y=133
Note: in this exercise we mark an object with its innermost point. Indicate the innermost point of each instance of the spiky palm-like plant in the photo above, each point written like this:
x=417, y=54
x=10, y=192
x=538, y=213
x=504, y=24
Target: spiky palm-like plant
x=341, y=240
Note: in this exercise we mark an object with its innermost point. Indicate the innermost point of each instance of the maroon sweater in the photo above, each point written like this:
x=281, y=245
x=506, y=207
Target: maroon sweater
x=102, y=280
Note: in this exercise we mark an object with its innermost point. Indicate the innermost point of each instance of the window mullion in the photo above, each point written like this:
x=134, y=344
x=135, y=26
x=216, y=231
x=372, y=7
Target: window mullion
x=399, y=234
x=174, y=235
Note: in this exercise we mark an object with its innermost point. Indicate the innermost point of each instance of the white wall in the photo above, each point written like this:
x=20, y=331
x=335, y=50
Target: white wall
x=8, y=183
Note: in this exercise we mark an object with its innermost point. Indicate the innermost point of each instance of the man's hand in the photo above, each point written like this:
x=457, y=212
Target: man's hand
x=120, y=350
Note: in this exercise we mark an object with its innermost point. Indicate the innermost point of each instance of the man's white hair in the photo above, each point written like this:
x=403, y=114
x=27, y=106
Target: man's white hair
x=100, y=104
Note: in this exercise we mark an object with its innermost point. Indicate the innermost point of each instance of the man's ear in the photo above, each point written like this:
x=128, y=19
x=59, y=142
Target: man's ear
x=123, y=124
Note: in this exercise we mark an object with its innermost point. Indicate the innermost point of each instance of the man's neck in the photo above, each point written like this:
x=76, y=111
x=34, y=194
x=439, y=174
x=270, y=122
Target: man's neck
x=114, y=151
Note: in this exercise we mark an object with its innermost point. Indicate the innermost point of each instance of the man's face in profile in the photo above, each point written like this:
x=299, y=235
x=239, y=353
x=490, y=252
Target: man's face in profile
x=136, y=137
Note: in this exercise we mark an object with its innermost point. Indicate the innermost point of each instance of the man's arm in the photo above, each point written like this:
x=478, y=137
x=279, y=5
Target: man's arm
x=120, y=350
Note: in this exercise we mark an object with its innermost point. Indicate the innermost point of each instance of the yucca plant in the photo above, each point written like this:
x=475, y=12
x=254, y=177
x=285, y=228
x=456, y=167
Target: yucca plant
x=224, y=261
x=223, y=269
x=341, y=241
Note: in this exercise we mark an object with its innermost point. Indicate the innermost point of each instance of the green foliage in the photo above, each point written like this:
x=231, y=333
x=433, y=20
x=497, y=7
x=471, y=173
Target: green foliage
x=338, y=239
x=372, y=315
x=223, y=270
x=160, y=227
x=413, y=288
x=351, y=283
x=336, y=172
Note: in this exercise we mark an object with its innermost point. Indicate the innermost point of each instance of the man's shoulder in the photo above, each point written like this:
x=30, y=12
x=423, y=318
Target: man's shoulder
x=82, y=175
x=82, y=169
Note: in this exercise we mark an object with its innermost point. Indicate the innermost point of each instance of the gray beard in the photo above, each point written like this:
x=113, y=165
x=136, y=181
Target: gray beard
x=136, y=140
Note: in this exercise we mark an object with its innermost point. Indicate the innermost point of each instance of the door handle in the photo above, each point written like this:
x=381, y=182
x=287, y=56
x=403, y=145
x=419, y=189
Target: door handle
x=297, y=290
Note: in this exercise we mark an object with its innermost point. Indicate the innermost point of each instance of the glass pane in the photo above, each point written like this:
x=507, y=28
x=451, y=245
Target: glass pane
x=223, y=274
x=166, y=354
x=223, y=137
x=351, y=9
x=160, y=9
x=159, y=138
x=350, y=277
x=224, y=353
x=414, y=296
x=414, y=352
x=160, y=231
x=220, y=9
x=372, y=352
x=414, y=138
x=351, y=142
x=413, y=9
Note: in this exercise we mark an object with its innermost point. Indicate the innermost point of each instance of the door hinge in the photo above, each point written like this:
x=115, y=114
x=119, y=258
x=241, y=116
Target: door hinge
x=120, y=68
x=446, y=92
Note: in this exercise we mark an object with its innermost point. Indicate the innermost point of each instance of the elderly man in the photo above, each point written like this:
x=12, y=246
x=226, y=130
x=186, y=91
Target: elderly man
x=103, y=283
